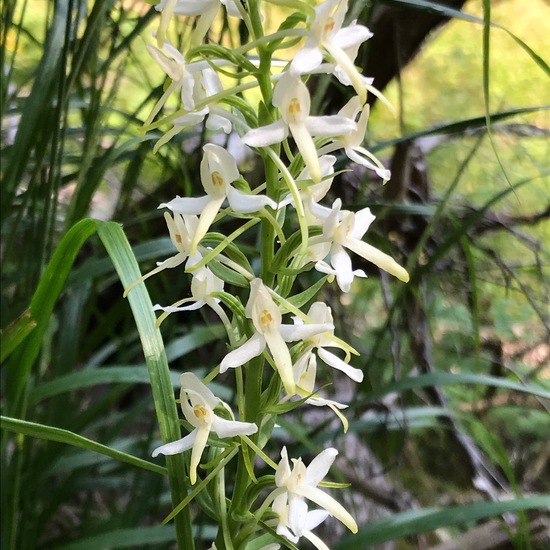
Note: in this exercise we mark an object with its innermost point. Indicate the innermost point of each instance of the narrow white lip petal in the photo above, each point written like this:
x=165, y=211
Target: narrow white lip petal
x=266, y=135
x=335, y=362
x=206, y=219
x=330, y=125
x=175, y=447
x=246, y=203
x=315, y=540
x=281, y=357
x=230, y=428
x=330, y=504
x=318, y=468
x=307, y=148
x=250, y=349
x=187, y=205
x=378, y=258
x=196, y=453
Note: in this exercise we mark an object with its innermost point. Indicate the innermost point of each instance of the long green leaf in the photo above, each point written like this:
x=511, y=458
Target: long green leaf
x=413, y=522
x=127, y=268
x=128, y=374
x=51, y=433
x=15, y=333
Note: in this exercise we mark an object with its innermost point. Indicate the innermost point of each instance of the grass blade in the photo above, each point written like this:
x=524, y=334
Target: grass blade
x=52, y=433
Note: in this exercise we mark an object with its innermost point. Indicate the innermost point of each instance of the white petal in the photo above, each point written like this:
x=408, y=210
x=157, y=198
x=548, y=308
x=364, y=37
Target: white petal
x=315, y=540
x=231, y=428
x=283, y=471
x=351, y=36
x=315, y=518
x=187, y=205
x=246, y=203
x=363, y=219
x=341, y=262
x=297, y=513
x=293, y=333
x=250, y=349
x=266, y=135
x=332, y=125
x=176, y=447
x=190, y=382
x=318, y=468
x=308, y=58
x=335, y=362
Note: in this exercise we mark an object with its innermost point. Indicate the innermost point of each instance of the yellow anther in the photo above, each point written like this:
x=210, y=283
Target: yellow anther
x=179, y=239
x=200, y=412
x=266, y=318
x=327, y=29
x=217, y=179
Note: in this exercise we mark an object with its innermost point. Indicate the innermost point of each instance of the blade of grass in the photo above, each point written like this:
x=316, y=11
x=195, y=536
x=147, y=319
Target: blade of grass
x=51, y=433
x=127, y=268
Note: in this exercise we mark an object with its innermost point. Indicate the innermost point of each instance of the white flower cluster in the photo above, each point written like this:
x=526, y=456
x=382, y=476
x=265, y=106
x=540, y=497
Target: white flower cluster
x=327, y=234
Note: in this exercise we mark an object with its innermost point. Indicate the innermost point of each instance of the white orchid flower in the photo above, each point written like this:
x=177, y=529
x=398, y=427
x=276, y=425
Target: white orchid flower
x=352, y=141
x=198, y=404
x=300, y=483
x=311, y=520
x=320, y=314
x=182, y=230
x=206, y=84
x=327, y=35
x=267, y=320
x=181, y=73
x=203, y=285
x=305, y=372
x=292, y=98
x=345, y=231
x=218, y=170
x=206, y=10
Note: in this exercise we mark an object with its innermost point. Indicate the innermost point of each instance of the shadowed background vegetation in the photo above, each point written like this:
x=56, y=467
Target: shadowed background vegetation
x=449, y=445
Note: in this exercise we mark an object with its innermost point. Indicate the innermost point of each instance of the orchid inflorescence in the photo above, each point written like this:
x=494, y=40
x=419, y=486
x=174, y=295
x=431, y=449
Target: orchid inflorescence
x=257, y=332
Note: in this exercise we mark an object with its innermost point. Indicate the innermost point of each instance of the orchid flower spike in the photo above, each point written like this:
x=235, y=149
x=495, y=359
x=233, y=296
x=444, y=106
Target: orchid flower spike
x=327, y=35
x=345, y=230
x=198, y=404
x=292, y=97
x=269, y=331
x=352, y=141
x=218, y=170
x=181, y=229
x=300, y=483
